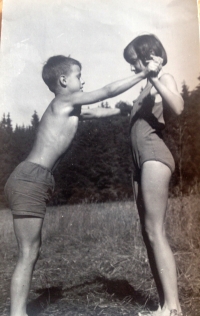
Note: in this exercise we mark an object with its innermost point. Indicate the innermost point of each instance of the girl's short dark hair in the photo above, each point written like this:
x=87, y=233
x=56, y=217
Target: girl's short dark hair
x=55, y=67
x=144, y=46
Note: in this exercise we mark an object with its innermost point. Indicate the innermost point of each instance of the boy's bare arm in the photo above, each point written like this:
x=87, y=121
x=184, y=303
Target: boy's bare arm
x=109, y=91
x=122, y=109
x=88, y=114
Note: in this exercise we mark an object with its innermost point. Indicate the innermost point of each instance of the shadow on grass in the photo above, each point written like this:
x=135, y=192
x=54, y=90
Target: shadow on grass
x=47, y=296
x=121, y=289
x=118, y=289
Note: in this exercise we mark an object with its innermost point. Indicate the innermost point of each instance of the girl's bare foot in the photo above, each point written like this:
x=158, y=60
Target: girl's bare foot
x=159, y=312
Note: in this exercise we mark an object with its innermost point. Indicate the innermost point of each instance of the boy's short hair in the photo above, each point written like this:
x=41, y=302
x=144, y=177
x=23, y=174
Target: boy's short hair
x=55, y=67
x=144, y=46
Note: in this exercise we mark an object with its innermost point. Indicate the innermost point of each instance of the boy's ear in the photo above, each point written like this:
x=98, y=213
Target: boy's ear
x=63, y=81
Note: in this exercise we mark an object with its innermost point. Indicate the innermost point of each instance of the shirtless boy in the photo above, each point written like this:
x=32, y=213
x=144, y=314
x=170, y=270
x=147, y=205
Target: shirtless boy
x=29, y=185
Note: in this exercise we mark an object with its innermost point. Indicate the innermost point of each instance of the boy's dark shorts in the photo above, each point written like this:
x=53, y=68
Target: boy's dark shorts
x=28, y=189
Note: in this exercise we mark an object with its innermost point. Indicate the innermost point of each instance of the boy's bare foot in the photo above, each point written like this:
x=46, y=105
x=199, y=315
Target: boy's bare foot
x=159, y=312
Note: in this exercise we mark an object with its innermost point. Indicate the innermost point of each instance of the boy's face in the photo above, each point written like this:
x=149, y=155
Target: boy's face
x=136, y=63
x=74, y=81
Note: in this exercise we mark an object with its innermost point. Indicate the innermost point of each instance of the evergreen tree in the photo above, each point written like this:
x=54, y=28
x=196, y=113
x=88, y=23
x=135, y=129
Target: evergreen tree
x=185, y=92
x=9, y=124
x=6, y=154
x=3, y=122
x=35, y=121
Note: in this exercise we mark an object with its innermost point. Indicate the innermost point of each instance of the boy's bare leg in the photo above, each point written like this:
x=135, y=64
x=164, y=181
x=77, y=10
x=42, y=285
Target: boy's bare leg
x=28, y=234
x=154, y=185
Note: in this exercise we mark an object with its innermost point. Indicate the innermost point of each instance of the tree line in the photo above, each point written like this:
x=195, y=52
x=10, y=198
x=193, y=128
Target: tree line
x=98, y=165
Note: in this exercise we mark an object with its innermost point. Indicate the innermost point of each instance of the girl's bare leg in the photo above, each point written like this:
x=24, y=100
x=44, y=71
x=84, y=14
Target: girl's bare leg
x=155, y=178
x=28, y=234
x=139, y=204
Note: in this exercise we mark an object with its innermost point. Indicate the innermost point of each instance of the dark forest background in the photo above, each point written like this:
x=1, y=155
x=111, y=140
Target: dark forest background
x=98, y=166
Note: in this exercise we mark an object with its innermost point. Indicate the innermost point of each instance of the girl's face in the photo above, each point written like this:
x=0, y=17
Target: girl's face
x=136, y=63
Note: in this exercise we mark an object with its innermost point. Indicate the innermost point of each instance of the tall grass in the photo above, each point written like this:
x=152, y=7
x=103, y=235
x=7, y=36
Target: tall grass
x=93, y=259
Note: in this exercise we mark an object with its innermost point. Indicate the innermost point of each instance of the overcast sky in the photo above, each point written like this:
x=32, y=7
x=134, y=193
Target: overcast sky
x=95, y=32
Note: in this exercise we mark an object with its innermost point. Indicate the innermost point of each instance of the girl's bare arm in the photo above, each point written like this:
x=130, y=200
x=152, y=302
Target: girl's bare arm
x=167, y=88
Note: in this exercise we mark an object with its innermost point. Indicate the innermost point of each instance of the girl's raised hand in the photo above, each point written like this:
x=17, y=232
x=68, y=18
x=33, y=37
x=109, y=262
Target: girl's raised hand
x=154, y=66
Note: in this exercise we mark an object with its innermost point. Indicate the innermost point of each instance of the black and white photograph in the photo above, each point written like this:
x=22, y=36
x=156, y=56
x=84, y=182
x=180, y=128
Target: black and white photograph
x=99, y=152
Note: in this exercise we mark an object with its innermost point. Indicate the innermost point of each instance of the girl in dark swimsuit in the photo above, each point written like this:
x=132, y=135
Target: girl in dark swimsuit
x=154, y=165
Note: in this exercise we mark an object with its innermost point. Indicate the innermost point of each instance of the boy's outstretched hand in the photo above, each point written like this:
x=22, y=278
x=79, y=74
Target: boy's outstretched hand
x=125, y=109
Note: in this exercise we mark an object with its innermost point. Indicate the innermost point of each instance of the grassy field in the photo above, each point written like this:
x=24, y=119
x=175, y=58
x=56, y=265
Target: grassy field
x=93, y=260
